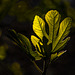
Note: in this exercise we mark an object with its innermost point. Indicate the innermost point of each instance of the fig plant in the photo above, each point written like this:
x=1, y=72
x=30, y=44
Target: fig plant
x=49, y=40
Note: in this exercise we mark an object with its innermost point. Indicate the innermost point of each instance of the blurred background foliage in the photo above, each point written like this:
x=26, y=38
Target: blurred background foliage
x=16, y=69
x=19, y=15
x=25, y=10
x=2, y=52
x=5, y=6
x=3, y=49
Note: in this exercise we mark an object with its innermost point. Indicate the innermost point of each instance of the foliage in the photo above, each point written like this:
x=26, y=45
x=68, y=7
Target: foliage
x=48, y=46
x=24, y=11
x=2, y=52
x=16, y=69
x=70, y=12
x=3, y=49
x=5, y=6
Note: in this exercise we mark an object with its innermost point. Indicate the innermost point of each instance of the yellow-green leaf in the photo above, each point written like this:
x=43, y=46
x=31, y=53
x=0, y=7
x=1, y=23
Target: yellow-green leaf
x=60, y=53
x=56, y=55
x=35, y=42
x=36, y=55
x=64, y=30
x=52, y=18
x=25, y=42
x=53, y=56
x=39, y=27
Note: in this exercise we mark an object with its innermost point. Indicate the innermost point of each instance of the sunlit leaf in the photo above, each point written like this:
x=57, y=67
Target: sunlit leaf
x=35, y=42
x=53, y=18
x=61, y=52
x=64, y=30
x=56, y=55
x=53, y=56
x=57, y=32
x=39, y=27
x=46, y=45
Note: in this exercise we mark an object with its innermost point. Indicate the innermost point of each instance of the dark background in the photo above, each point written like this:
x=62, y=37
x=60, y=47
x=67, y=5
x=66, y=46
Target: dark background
x=19, y=15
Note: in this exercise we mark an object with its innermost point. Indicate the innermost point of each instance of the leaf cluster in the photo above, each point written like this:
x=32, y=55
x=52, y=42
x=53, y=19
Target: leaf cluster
x=47, y=45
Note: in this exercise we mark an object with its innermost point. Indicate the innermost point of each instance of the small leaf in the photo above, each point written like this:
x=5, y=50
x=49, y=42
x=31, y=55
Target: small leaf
x=36, y=55
x=53, y=56
x=35, y=42
x=61, y=52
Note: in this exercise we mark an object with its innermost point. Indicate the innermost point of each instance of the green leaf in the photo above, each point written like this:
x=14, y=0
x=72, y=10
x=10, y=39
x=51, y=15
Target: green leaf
x=64, y=30
x=57, y=33
x=62, y=44
x=17, y=40
x=52, y=18
x=35, y=42
x=25, y=42
x=39, y=27
x=56, y=55
x=36, y=55
x=61, y=52
x=53, y=56
x=46, y=45
x=57, y=37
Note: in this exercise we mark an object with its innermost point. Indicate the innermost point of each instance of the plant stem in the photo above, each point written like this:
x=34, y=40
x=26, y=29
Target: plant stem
x=37, y=67
x=45, y=66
